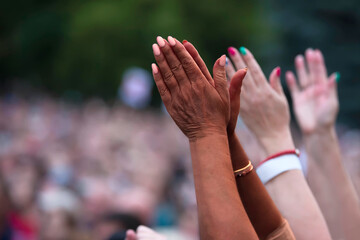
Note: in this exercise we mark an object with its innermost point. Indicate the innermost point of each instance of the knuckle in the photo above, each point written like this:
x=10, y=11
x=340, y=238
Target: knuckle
x=168, y=76
x=162, y=91
x=176, y=68
x=188, y=64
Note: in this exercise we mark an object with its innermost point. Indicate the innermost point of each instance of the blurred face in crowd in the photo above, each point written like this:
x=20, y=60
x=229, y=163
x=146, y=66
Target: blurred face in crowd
x=22, y=187
x=56, y=225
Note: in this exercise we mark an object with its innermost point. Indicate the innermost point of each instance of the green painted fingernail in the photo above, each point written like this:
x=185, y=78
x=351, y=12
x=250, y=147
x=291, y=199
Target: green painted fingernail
x=337, y=77
x=242, y=50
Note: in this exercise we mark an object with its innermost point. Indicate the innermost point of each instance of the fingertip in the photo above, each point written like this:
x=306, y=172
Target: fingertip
x=278, y=71
x=171, y=41
x=337, y=77
x=154, y=68
x=243, y=50
x=156, y=49
x=222, y=60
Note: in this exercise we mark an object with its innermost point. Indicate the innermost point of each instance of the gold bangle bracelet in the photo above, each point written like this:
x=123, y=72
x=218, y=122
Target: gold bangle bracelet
x=245, y=170
x=242, y=169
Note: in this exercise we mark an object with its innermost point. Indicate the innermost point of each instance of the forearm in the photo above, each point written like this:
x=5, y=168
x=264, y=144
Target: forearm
x=293, y=197
x=331, y=185
x=221, y=213
x=263, y=214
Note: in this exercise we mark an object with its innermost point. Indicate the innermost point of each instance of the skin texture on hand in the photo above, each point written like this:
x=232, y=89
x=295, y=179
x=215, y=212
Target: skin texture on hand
x=266, y=113
x=316, y=106
x=199, y=105
x=315, y=98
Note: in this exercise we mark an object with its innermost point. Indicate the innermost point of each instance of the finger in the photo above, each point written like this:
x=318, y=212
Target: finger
x=191, y=68
x=291, y=83
x=236, y=58
x=234, y=92
x=253, y=67
x=229, y=68
x=130, y=235
x=301, y=71
x=275, y=82
x=199, y=61
x=236, y=83
x=173, y=62
x=167, y=74
x=163, y=90
x=333, y=81
x=320, y=72
x=311, y=63
x=219, y=74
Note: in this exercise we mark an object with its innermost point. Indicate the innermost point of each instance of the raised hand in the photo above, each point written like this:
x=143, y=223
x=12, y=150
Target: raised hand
x=198, y=104
x=264, y=107
x=315, y=98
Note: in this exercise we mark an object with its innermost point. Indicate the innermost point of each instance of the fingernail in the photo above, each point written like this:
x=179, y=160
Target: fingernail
x=227, y=61
x=337, y=77
x=222, y=61
x=154, y=68
x=231, y=51
x=245, y=69
x=160, y=41
x=171, y=41
x=156, y=49
x=278, y=71
x=242, y=50
x=184, y=41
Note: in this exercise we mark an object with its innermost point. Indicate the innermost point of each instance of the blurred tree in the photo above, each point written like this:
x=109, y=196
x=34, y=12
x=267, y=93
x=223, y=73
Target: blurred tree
x=83, y=47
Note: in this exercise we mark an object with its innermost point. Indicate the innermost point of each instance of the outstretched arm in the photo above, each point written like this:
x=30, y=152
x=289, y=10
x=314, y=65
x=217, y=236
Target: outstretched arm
x=265, y=111
x=264, y=215
x=316, y=107
x=200, y=108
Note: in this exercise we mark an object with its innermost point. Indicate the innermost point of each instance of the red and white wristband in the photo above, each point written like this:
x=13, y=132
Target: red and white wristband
x=277, y=164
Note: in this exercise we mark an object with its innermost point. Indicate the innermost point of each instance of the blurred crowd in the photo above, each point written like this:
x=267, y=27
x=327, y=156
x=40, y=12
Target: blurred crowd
x=86, y=171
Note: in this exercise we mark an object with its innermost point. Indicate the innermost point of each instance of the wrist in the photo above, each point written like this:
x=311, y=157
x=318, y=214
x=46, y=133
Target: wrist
x=281, y=142
x=209, y=132
x=319, y=131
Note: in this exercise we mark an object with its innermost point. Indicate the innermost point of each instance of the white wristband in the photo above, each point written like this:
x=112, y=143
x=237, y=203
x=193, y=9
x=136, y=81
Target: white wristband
x=273, y=167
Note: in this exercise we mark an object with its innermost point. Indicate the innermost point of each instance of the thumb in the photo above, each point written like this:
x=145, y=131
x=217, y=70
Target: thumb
x=219, y=75
x=236, y=83
x=275, y=80
x=234, y=92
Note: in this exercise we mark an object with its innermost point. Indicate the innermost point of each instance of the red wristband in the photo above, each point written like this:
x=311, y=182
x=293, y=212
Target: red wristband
x=287, y=152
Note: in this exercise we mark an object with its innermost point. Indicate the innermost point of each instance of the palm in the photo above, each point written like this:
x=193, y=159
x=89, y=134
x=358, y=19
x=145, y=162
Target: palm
x=315, y=106
x=315, y=99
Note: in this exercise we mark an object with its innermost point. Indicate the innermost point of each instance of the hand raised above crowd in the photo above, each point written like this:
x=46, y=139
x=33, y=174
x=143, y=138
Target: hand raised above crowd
x=315, y=98
x=198, y=104
x=264, y=107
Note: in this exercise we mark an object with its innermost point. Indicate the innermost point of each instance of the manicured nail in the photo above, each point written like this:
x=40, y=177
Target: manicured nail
x=160, y=41
x=242, y=50
x=154, y=68
x=227, y=61
x=184, y=41
x=278, y=71
x=337, y=77
x=222, y=61
x=156, y=49
x=171, y=41
x=231, y=51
